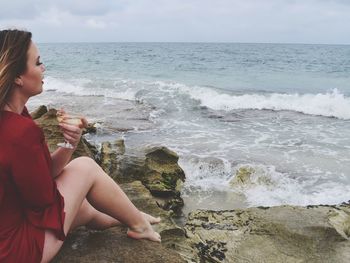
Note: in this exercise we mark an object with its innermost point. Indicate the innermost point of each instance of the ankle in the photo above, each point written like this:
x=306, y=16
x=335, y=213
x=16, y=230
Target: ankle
x=139, y=226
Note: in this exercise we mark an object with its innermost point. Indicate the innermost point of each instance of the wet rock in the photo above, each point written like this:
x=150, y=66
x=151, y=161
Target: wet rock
x=164, y=177
x=91, y=128
x=159, y=171
x=243, y=175
x=247, y=176
x=276, y=234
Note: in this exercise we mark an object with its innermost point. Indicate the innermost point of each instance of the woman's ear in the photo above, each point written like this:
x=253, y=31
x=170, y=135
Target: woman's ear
x=18, y=81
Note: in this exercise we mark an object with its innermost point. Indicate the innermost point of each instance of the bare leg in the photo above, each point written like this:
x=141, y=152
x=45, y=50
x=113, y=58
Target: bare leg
x=103, y=194
x=88, y=216
x=83, y=178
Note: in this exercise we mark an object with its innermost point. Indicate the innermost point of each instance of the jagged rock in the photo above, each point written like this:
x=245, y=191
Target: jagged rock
x=131, y=167
x=91, y=128
x=276, y=234
x=39, y=112
x=109, y=160
x=120, y=146
x=164, y=177
x=247, y=176
x=112, y=245
x=242, y=176
x=158, y=170
x=53, y=135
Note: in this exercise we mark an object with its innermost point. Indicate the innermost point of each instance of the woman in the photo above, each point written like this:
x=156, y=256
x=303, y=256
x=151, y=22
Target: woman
x=43, y=196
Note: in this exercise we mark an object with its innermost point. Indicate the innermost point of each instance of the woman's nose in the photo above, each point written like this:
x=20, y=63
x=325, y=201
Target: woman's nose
x=43, y=67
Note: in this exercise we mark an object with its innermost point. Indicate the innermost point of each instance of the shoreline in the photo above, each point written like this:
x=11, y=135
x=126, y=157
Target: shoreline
x=260, y=234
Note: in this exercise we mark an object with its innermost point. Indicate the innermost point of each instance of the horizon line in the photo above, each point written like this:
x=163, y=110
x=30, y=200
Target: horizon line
x=191, y=42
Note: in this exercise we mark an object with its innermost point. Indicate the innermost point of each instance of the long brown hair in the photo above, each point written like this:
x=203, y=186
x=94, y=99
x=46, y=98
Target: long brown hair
x=14, y=45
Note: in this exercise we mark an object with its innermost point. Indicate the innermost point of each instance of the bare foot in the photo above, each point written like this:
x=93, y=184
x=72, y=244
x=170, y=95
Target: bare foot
x=151, y=219
x=146, y=232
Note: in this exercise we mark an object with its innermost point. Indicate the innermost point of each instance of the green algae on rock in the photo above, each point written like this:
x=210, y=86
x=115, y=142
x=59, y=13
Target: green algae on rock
x=157, y=169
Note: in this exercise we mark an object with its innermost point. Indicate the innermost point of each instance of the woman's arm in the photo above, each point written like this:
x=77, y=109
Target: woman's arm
x=61, y=156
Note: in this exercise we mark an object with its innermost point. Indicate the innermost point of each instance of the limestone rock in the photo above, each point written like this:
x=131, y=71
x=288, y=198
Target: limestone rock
x=164, y=177
x=276, y=234
x=159, y=171
x=109, y=160
x=247, y=176
x=243, y=175
x=112, y=246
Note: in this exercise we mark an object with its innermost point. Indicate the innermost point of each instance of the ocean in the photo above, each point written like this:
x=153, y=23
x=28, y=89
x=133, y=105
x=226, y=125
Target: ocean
x=282, y=109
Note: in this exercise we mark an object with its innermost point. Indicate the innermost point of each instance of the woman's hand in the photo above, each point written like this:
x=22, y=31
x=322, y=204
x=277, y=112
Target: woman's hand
x=72, y=133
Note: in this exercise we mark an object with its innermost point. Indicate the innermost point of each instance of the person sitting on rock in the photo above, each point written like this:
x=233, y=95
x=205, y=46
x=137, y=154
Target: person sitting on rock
x=43, y=196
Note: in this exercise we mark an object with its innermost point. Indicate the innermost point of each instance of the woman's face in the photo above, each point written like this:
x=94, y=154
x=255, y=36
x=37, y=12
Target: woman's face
x=32, y=79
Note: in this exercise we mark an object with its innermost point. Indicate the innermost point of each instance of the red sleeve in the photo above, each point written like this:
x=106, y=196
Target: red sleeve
x=1, y=188
x=30, y=170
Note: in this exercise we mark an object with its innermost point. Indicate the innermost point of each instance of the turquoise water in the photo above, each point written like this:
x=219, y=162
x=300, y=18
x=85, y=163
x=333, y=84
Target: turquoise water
x=235, y=67
x=282, y=109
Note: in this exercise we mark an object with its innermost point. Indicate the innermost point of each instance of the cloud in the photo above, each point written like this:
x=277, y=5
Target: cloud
x=87, y=7
x=17, y=9
x=307, y=21
x=96, y=24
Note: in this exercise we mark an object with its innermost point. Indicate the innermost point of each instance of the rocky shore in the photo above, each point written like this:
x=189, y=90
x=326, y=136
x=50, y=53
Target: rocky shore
x=152, y=179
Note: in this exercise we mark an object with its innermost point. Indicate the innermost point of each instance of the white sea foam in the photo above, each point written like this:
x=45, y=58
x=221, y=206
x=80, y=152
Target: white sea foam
x=330, y=104
x=86, y=87
x=266, y=186
x=292, y=193
x=58, y=85
x=206, y=173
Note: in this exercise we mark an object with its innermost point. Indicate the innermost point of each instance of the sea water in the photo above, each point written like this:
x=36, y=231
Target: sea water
x=281, y=109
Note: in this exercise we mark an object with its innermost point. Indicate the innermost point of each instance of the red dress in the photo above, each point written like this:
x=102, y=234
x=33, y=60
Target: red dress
x=29, y=199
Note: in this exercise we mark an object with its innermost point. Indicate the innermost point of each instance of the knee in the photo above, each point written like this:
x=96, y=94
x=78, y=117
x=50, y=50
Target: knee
x=86, y=165
x=85, y=162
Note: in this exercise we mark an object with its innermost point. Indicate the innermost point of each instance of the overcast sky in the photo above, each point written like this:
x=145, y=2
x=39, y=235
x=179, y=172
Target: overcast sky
x=261, y=21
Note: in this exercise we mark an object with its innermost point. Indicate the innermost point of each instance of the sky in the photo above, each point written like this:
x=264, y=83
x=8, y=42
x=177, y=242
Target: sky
x=247, y=21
